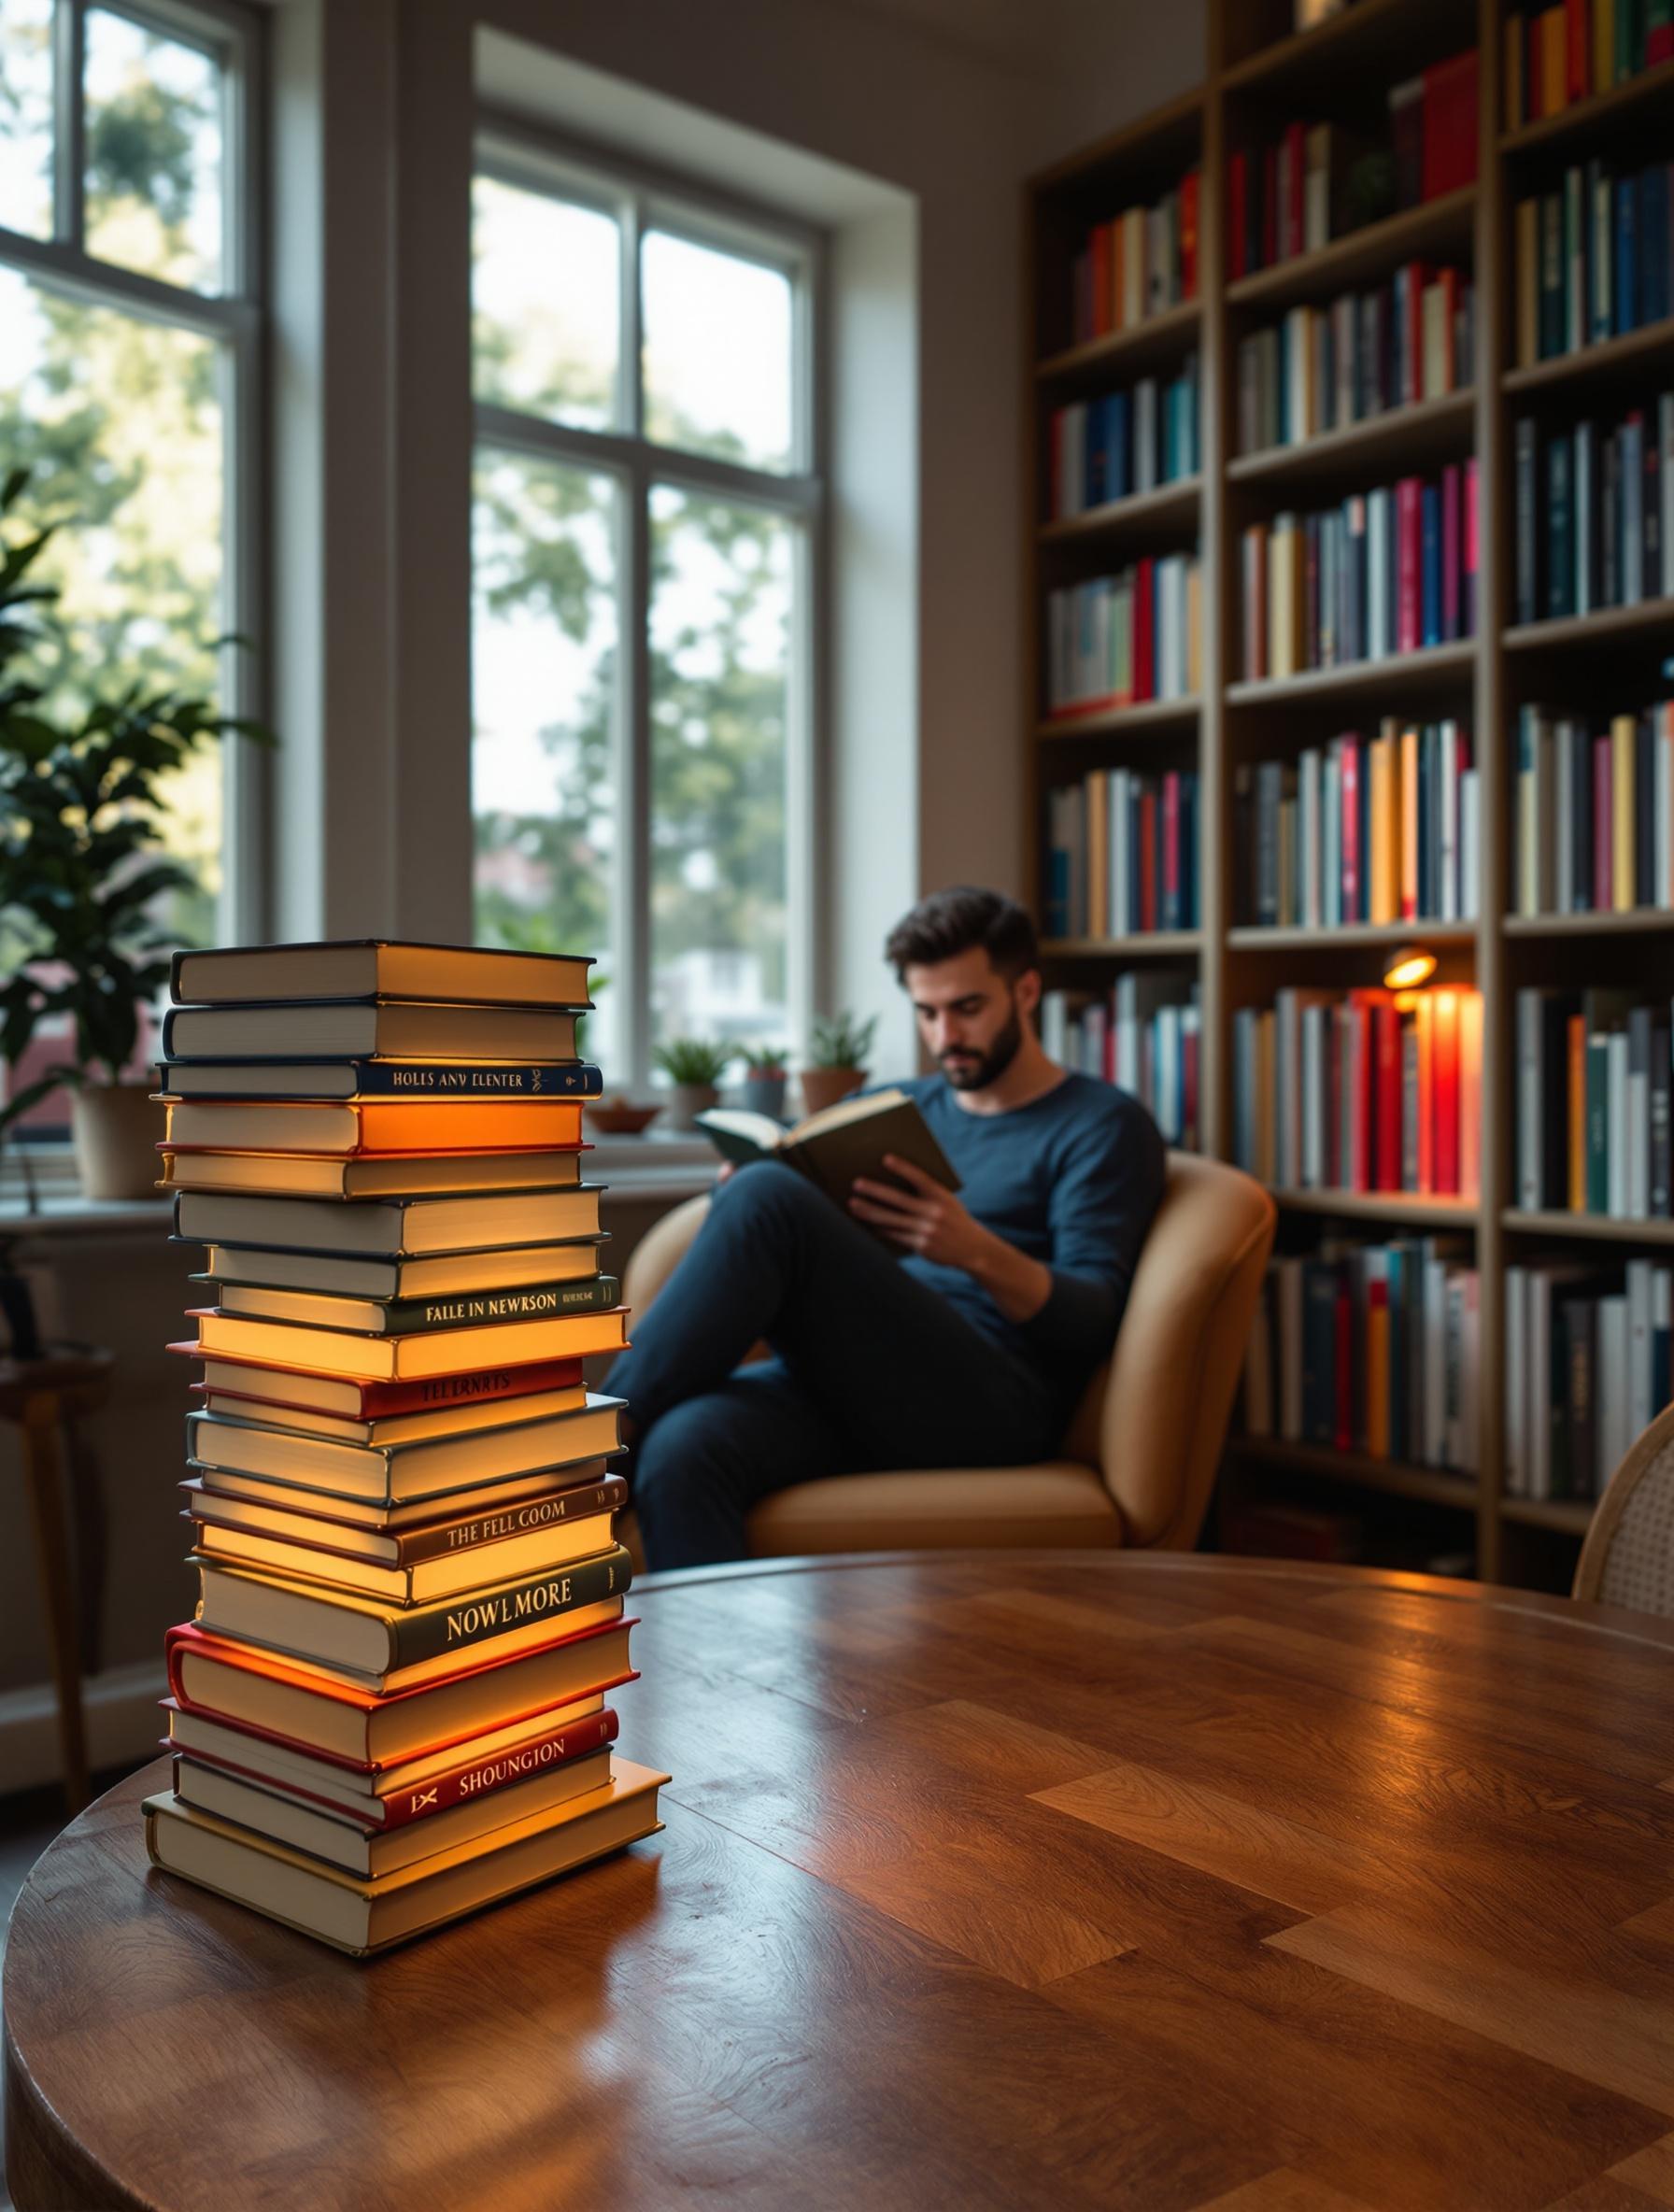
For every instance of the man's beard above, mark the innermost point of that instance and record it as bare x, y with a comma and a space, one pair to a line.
976, 1074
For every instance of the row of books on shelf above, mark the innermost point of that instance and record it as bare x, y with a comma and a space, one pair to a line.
1122, 859
1594, 811
1555, 56
391, 1705
1137, 264
1362, 830
1593, 1103
1370, 1348
1593, 260
1385, 571
1323, 368
1120, 640
1144, 1036
1594, 513
1587, 1370
1125, 442
1315, 182
1363, 1091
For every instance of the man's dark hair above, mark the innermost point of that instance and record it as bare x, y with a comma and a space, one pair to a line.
950, 922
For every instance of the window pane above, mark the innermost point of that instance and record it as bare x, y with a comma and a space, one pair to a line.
26, 116
120, 423
720, 630
154, 154
719, 371
545, 292
543, 783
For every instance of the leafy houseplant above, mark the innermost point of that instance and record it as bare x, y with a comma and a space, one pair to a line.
81, 801
838, 1047
694, 1067
764, 1074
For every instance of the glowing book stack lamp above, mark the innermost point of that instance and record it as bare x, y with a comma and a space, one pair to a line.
393, 1705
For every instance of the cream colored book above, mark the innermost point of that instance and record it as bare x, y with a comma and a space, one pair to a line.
378, 967
308, 1175
359, 1915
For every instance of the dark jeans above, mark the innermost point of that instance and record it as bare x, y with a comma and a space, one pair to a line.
872, 1369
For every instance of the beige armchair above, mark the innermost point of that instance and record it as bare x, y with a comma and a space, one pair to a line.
1139, 1462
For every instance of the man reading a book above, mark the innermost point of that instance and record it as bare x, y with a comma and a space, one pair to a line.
912, 1326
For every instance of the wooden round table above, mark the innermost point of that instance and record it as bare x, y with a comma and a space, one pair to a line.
999, 1880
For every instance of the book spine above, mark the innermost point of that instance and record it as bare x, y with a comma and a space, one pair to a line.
381, 1399
481, 1777
415, 1545
418, 1316
438, 1078
474, 1619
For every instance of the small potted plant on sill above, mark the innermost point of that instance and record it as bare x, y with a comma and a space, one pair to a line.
81, 798
694, 1067
764, 1077
837, 1054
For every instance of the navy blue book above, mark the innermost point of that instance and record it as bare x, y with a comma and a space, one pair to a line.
1560, 524
380, 1079
1430, 563
1627, 258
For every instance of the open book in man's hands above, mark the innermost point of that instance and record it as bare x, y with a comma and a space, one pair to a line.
835, 1145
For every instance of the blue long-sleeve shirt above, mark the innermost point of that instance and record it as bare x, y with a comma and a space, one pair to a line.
1073, 1179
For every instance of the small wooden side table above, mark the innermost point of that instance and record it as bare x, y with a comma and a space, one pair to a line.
38, 1395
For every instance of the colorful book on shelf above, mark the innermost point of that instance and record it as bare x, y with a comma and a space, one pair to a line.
1594, 1102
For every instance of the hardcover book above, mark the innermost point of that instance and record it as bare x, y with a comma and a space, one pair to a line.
399, 1174
331, 1274
375, 967
421, 1512
584, 1327
473, 1309
384, 1030
361, 1916
832, 1147
390, 1228
434, 1405
432, 1081
376, 1126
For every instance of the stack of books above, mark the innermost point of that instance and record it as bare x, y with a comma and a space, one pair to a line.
1558, 55
1136, 264
1593, 260
390, 1708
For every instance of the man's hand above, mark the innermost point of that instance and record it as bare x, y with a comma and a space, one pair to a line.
927, 1218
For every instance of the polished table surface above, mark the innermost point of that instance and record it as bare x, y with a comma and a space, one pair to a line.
1005, 1881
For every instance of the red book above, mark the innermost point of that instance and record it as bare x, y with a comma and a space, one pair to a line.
1240, 214
1098, 246
1148, 859
1189, 185
371, 1401
1535, 72
1295, 185
1445, 1073
1349, 758
1171, 847
1452, 548
1449, 124
1659, 44
1408, 513
1344, 1375
1270, 206
1144, 629
1387, 1105
1576, 44
1604, 818
474, 1778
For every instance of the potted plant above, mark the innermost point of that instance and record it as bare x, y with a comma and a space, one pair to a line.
837, 1054
694, 1067
81, 798
764, 1074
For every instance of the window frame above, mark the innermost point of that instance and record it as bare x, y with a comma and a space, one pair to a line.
642, 197
235, 317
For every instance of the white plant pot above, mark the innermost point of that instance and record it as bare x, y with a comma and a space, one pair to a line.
117, 1128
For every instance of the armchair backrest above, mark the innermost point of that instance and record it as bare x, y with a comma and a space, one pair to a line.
1152, 1417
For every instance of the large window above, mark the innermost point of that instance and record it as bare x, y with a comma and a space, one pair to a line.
645, 538
128, 351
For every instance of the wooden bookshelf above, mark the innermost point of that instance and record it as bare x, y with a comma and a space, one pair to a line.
1260, 75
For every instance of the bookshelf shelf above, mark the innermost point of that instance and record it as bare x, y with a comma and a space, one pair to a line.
1145, 512
1260, 80
1383, 1205
1253, 938
1608, 626
1548, 132
1628, 922
1152, 716
1154, 944
1569, 1516
1591, 1228
1399, 439
1400, 675
1434, 231
1434, 1485
1159, 337
1635, 351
